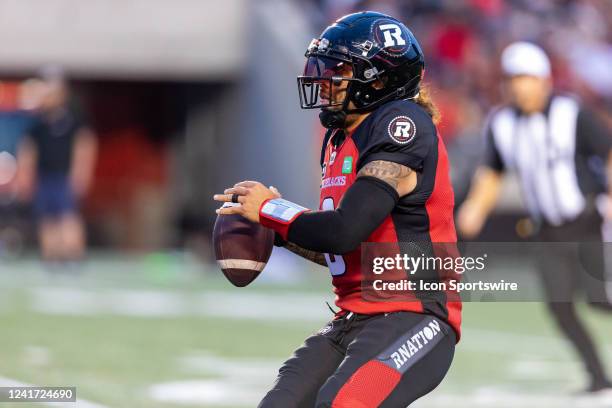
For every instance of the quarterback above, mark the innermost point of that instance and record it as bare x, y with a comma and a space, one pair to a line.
385, 180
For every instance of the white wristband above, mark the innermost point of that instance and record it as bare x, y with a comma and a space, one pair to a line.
282, 210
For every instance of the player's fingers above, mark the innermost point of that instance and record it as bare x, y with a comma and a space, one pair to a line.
222, 197
229, 198
228, 210
236, 190
275, 191
247, 184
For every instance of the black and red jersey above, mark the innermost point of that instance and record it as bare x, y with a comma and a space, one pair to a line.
404, 133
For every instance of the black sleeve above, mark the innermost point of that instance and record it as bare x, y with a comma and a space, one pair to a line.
491, 158
592, 137
79, 117
278, 240
402, 132
362, 209
34, 131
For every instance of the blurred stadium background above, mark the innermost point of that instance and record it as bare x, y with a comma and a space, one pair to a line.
189, 96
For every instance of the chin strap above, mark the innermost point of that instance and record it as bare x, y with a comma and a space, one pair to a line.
335, 119
332, 119
328, 134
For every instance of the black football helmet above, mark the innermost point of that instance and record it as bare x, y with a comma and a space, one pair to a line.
386, 60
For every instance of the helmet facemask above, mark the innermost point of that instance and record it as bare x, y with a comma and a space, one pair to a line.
325, 83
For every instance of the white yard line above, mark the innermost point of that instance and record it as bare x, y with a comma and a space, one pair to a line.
153, 304
267, 307
224, 392
498, 397
80, 402
286, 306
243, 382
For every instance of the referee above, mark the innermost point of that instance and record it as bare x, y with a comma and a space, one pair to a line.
553, 144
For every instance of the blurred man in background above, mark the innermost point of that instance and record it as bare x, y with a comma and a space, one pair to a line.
548, 140
56, 164
15, 119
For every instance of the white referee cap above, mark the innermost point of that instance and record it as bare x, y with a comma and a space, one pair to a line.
524, 58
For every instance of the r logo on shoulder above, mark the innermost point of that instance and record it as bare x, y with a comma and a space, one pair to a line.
402, 129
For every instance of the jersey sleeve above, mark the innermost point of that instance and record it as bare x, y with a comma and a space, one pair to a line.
592, 137
491, 158
402, 133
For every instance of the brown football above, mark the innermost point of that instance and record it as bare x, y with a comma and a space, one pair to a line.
242, 248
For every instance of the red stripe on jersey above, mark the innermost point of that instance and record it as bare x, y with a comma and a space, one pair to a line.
439, 207
368, 386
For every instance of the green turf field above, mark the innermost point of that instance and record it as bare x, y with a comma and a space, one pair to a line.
161, 331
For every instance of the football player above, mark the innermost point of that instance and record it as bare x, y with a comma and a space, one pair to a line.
385, 180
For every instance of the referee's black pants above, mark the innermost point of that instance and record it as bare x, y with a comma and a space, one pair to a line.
574, 263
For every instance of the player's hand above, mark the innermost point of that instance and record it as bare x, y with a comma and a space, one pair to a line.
469, 220
606, 208
23, 186
251, 195
79, 184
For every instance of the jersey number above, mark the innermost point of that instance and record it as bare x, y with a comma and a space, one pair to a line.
334, 262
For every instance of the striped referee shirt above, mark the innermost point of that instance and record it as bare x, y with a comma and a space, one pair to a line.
559, 156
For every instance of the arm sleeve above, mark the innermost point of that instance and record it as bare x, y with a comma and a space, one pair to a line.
402, 132
362, 209
491, 158
592, 137
33, 131
278, 240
